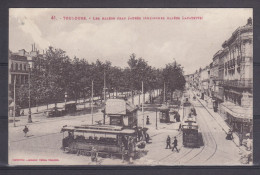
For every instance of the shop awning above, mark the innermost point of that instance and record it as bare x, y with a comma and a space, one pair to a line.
239, 113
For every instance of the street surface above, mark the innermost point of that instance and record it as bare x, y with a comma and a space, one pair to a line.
42, 146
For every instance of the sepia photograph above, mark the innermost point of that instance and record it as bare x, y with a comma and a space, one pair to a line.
130, 86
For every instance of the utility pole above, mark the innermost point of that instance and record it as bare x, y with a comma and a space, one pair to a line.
143, 102
156, 119
14, 101
29, 113
164, 92
92, 102
104, 86
132, 93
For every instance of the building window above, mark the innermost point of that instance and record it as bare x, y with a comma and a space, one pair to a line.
21, 67
16, 66
24, 66
12, 66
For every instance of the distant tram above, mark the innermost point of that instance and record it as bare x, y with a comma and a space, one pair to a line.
190, 132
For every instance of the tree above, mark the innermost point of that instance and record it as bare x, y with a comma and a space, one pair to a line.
173, 77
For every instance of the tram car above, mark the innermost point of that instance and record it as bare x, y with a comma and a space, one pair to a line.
107, 140
190, 132
188, 109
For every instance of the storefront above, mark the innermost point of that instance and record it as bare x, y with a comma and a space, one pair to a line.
238, 118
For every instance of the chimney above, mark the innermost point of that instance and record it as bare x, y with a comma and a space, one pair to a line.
32, 47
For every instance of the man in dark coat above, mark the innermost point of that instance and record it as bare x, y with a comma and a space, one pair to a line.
25, 130
177, 117
168, 142
147, 120
175, 144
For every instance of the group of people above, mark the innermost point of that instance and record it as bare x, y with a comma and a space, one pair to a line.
175, 143
143, 135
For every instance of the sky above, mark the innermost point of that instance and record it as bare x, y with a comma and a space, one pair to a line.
192, 43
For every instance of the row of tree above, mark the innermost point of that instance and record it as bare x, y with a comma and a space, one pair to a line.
55, 75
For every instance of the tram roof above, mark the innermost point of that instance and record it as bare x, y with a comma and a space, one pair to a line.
98, 130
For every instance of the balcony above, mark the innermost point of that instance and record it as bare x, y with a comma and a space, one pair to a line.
237, 83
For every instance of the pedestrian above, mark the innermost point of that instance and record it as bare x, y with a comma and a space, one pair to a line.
147, 120
25, 130
179, 127
22, 113
93, 154
147, 138
229, 135
177, 117
168, 142
175, 144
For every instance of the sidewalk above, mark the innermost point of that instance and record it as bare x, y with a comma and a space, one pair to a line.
80, 102
38, 117
220, 121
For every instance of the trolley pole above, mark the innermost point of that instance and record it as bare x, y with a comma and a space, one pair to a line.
143, 102
92, 102
14, 113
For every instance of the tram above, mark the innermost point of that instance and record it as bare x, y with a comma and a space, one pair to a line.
188, 109
107, 140
190, 132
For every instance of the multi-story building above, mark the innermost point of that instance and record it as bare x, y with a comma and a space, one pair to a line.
196, 78
204, 80
214, 75
18, 68
189, 80
237, 57
20, 64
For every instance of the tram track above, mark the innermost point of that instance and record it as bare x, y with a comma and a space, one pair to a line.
210, 133
203, 149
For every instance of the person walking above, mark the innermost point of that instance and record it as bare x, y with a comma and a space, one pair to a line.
175, 144
25, 130
93, 154
168, 142
179, 127
147, 120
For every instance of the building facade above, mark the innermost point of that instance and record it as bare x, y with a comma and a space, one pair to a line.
237, 81
20, 64
229, 80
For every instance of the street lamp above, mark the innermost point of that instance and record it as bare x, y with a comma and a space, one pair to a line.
29, 112
65, 95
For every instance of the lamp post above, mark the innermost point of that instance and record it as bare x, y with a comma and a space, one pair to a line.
29, 112
143, 102
65, 99
92, 85
14, 109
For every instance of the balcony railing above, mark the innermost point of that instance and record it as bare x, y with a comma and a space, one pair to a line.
18, 71
237, 83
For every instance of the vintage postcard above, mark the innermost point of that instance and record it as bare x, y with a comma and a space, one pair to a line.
132, 86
